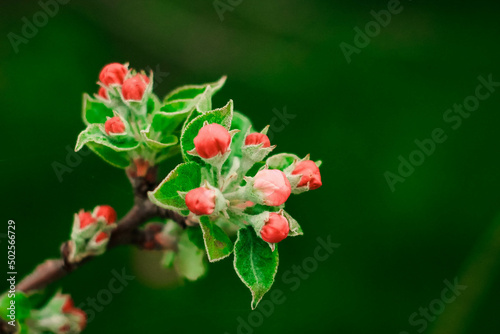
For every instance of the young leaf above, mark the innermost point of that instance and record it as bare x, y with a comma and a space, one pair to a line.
295, 228
94, 111
242, 123
222, 116
281, 161
183, 178
193, 91
95, 133
189, 261
255, 263
217, 243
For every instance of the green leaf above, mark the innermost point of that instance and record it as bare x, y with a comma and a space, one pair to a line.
217, 243
281, 161
22, 305
193, 91
168, 259
295, 228
95, 111
242, 123
111, 149
183, 178
157, 141
167, 122
189, 261
255, 263
196, 236
95, 133
222, 116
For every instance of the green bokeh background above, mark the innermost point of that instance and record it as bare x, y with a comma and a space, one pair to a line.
396, 247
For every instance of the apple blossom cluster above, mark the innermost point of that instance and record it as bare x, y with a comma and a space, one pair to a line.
91, 232
59, 315
228, 196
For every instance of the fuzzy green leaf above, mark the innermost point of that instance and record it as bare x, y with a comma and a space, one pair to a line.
242, 123
193, 91
222, 116
295, 228
22, 305
217, 243
113, 150
255, 263
183, 178
95, 111
281, 161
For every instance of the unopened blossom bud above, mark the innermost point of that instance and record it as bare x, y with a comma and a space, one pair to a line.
86, 219
272, 186
211, 140
310, 174
201, 201
275, 229
101, 237
133, 89
103, 93
113, 74
257, 138
107, 212
68, 304
114, 125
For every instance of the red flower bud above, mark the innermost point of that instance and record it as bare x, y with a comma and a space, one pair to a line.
68, 304
82, 316
310, 174
273, 186
133, 89
103, 93
201, 201
101, 237
114, 125
275, 229
107, 212
211, 140
86, 219
257, 138
113, 74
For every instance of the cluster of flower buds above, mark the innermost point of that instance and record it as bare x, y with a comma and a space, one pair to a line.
116, 79
91, 232
59, 316
229, 192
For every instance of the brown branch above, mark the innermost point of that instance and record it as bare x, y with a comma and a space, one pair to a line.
127, 232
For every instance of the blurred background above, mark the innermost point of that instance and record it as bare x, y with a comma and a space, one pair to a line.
357, 113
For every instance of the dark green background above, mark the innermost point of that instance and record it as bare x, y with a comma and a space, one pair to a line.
396, 247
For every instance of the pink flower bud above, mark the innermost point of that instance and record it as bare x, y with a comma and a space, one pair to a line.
114, 125
82, 317
257, 138
275, 229
310, 174
201, 201
107, 212
113, 74
68, 304
133, 89
101, 237
273, 186
211, 140
86, 219
103, 93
